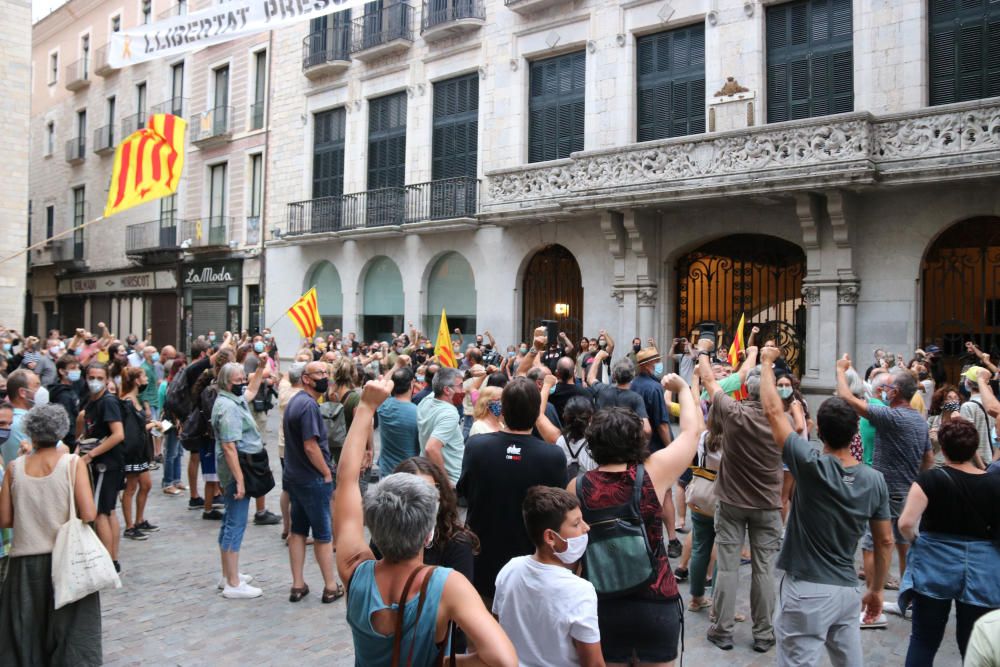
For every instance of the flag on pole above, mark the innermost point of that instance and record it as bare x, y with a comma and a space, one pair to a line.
305, 314
442, 348
734, 355
148, 164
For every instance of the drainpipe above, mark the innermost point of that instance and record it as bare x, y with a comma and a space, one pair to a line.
264, 179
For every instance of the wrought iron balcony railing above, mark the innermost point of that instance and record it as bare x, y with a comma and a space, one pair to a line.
134, 122
381, 32
78, 74
444, 15
76, 150
212, 125
153, 236
102, 67
326, 51
105, 139
208, 232
175, 105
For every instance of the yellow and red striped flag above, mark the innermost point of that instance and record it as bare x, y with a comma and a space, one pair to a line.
734, 355
442, 348
305, 314
148, 164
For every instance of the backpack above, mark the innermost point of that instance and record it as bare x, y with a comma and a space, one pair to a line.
336, 423
619, 560
197, 431
700, 492
573, 468
178, 401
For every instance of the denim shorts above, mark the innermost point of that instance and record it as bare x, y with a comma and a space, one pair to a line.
206, 455
310, 508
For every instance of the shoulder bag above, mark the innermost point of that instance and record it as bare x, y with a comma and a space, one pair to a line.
80, 563
257, 477
397, 637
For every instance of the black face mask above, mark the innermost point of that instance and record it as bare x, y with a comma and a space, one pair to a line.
321, 385
238, 389
636, 348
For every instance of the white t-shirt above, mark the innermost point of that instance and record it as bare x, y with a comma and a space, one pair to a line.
543, 608
583, 458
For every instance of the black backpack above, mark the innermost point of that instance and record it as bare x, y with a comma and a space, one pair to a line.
619, 560
197, 431
178, 401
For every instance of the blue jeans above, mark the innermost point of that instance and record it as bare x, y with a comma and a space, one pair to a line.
173, 453
310, 508
234, 523
467, 425
930, 616
703, 530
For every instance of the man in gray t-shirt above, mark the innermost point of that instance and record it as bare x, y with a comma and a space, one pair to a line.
902, 446
836, 499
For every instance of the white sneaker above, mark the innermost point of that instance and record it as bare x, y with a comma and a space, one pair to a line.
893, 608
880, 622
244, 579
242, 592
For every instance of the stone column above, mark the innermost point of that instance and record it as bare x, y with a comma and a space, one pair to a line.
810, 295
646, 299
847, 307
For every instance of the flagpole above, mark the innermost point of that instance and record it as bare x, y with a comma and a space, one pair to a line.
41, 244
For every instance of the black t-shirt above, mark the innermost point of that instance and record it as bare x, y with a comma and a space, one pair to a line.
66, 396
194, 371
969, 507
560, 397
551, 358
497, 471
610, 396
98, 418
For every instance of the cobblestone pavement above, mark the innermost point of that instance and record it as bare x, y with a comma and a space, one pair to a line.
168, 611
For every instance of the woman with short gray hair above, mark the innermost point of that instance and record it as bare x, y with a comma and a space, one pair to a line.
35, 500
235, 432
401, 513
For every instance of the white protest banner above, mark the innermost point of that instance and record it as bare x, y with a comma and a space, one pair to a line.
218, 23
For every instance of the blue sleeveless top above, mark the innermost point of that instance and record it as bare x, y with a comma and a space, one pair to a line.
373, 649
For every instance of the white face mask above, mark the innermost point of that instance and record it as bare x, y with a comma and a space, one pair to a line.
575, 548
41, 397
95, 386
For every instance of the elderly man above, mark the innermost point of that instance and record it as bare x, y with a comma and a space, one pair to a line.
23, 388
308, 479
902, 447
289, 385
749, 492
438, 423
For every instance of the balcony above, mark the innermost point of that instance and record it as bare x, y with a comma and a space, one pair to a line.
151, 240
105, 140
844, 150
102, 67
78, 75
180, 9
67, 254
76, 150
210, 233
382, 33
441, 19
326, 52
531, 6
175, 106
213, 126
136, 121
257, 116
385, 211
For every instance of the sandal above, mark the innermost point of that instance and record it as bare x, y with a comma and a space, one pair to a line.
297, 594
698, 606
331, 596
739, 618
892, 584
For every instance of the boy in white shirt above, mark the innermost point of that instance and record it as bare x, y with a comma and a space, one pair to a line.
549, 613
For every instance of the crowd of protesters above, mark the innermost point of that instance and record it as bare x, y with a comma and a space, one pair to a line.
526, 506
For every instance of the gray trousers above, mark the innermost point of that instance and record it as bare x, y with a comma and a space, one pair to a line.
812, 616
732, 524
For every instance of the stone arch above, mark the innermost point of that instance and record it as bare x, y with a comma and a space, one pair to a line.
450, 283
323, 275
381, 304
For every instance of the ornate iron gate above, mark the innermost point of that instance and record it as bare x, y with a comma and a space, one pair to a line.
552, 276
758, 275
961, 290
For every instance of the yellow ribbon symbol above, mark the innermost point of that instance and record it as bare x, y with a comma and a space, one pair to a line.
127, 49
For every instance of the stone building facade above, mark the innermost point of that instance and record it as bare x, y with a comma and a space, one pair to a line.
15, 83
141, 268
875, 226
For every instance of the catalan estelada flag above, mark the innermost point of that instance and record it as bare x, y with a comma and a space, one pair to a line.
734, 355
442, 348
148, 164
305, 314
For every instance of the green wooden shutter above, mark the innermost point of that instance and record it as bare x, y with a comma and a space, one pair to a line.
556, 106
964, 51
328, 153
387, 141
810, 62
455, 137
671, 83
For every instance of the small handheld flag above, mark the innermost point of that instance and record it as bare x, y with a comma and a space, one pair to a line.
305, 314
442, 348
148, 164
734, 355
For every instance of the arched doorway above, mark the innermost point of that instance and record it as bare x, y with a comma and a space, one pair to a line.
960, 276
383, 301
451, 285
329, 294
552, 277
752, 274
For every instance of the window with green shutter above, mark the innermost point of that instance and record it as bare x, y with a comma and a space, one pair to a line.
328, 153
810, 59
671, 83
964, 51
556, 106
387, 141
455, 141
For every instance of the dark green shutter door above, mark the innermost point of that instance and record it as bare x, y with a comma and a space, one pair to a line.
328, 153
387, 141
556, 107
671, 83
455, 136
964, 50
